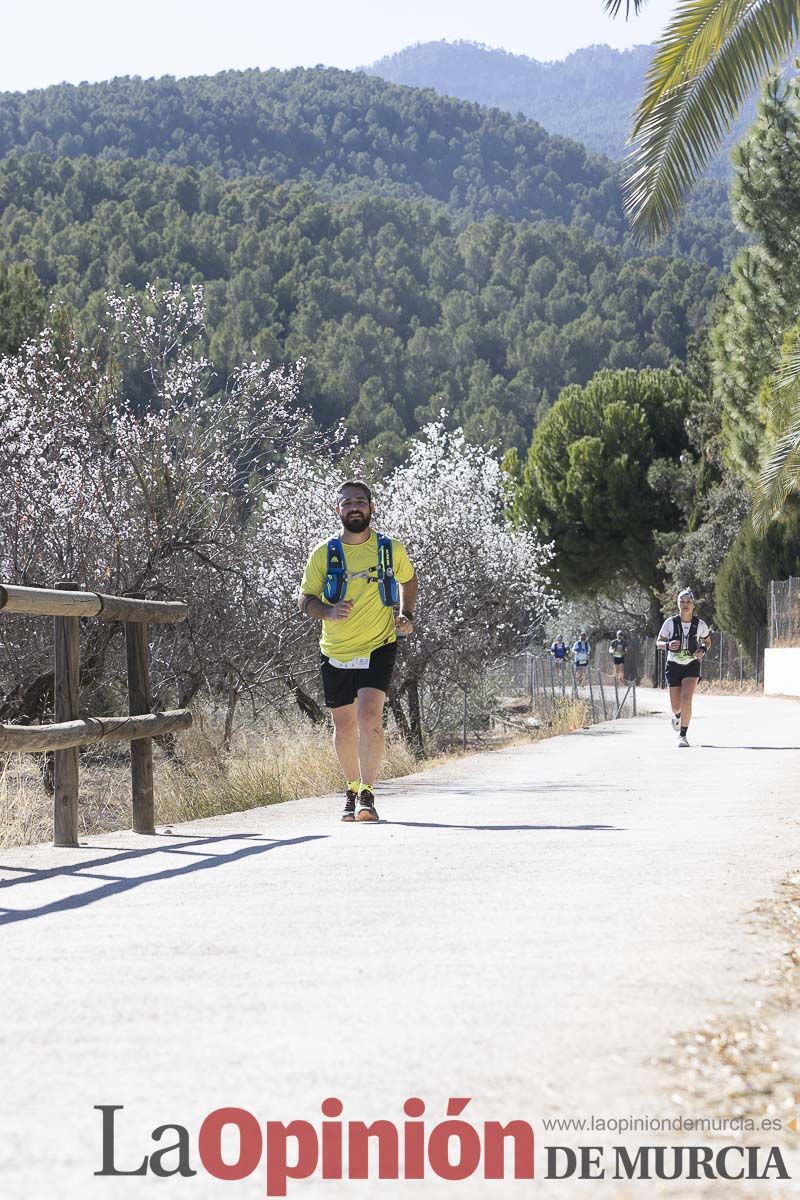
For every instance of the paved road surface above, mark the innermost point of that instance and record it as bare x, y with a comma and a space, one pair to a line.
526, 928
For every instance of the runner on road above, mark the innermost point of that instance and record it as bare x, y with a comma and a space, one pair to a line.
351, 583
582, 650
686, 638
559, 651
617, 651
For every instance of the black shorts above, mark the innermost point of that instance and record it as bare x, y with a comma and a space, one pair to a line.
341, 685
618, 662
676, 672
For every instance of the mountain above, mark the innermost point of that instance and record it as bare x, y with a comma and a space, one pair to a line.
345, 132
589, 96
400, 306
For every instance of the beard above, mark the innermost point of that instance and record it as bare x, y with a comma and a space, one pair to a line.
355, 522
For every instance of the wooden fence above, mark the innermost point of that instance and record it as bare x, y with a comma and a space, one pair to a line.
67, 604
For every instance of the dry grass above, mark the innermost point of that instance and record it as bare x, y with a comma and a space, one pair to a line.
730, 687
567, 717
267, 765
283, 763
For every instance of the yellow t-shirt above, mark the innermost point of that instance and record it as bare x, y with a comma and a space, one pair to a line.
371, 623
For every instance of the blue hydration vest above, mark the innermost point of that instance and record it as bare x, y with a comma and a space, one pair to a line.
336, 574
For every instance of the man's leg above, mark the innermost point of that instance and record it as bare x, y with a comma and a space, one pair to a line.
369, 705
345, 739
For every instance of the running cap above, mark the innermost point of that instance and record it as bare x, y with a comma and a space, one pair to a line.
583, 633
619, 633
686, 594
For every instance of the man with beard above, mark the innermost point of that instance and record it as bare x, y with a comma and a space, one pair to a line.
359, 641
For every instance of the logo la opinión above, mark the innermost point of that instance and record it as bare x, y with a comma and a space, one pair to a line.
452, 1149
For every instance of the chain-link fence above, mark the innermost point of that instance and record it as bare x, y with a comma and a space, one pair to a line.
547, 685
554, 681
784, 612
523, 693
727, 660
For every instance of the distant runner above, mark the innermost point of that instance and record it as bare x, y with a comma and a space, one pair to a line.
559, 651
686, 638
617, 651
351, 584
582, 650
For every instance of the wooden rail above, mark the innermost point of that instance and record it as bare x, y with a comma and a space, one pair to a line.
36, 739
68, 604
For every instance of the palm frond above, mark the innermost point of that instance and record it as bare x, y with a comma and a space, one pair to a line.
613, 7
696, 31
779, 478
680, 125
788, 373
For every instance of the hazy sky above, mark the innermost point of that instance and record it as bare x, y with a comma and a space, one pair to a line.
48, 41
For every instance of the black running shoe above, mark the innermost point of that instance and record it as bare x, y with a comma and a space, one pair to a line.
349, 810
366, 806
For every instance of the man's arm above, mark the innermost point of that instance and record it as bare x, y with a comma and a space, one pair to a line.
408, 594
313, 607
408, 598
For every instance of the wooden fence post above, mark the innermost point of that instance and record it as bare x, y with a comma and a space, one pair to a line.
591, 695
66, 696
139, 702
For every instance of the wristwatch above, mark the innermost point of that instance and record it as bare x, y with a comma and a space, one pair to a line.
408, 614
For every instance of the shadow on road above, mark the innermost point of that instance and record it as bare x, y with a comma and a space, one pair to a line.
403, 788
204, 858
502, 828
713, 746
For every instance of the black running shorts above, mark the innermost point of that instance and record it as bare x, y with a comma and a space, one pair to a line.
676, 672
341, 685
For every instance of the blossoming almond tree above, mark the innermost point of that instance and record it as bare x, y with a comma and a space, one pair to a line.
160, 496
484, 587
483, 584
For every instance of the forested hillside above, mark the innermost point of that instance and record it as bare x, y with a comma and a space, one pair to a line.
589, 96
400, 308
346, 132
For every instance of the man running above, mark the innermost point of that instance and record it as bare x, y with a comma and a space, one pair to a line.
559, 651
582, 650
686, 638
617, 652
359, 638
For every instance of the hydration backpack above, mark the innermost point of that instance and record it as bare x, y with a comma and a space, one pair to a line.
677, 633
337, 576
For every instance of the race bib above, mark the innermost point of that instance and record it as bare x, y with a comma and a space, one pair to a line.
355, 664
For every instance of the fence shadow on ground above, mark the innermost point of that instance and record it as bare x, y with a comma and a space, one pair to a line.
113, 885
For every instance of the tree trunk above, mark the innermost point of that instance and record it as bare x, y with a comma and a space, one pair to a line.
654, 618
654, 622
400, 718
230, 713
417, 741
47, 770
307, 704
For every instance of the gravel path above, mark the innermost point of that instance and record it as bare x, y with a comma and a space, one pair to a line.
528, 928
